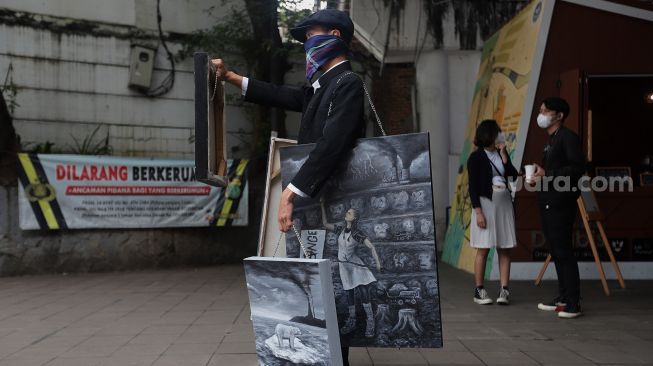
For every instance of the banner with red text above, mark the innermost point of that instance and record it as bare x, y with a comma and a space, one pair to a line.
86, 192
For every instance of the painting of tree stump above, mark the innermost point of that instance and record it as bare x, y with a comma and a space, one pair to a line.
383, 321
407, 321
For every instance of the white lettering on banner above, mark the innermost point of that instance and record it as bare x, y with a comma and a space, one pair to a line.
135, 190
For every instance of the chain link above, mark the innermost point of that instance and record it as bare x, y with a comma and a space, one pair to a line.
215, 86
278, 243
299, 238
369, 99
378, 120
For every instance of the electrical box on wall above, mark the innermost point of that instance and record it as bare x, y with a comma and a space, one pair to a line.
140, 67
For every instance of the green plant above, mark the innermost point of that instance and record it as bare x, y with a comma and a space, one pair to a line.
46, 147
89, 146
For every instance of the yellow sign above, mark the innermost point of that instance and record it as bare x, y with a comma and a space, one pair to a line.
500, 94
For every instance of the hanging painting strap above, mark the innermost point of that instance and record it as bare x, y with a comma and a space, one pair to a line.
369, 99
299, 238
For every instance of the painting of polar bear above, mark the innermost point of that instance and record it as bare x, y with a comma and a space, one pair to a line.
286, 332
293, 311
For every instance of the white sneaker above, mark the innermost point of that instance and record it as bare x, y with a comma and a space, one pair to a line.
570, 312
503, 298
556, 304
481, 297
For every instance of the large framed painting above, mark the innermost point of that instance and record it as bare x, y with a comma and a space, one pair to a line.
210, 134
374, 221
293, 311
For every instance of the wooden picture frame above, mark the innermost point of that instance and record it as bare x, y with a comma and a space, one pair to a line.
269, 234
612, 171
646, 179
210, 121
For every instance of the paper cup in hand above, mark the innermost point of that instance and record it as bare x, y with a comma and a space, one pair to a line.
530, 172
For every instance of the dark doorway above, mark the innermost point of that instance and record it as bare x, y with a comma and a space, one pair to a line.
621, 122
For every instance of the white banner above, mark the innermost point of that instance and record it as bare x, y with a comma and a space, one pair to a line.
85, 192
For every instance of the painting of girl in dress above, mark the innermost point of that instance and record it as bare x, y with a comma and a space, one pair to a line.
354, 273
386, 286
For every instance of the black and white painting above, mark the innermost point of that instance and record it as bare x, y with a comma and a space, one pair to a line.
377, 211
293, 311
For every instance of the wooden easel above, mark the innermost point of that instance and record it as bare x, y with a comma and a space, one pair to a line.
590, 213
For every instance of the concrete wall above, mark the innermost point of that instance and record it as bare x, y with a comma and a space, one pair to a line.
71, 82
113, 12
408, 34
445, 88
35, 252
179, 16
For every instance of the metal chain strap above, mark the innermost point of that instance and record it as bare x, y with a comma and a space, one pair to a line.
369, 99
215, 86
278, 243
299, 238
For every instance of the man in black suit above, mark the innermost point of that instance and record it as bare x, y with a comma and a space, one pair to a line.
332, 107
563, 166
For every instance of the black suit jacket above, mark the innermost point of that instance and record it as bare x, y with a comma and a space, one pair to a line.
563, 157
334, 135
480, 174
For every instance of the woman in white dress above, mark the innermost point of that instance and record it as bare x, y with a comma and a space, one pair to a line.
493, 218
354, 273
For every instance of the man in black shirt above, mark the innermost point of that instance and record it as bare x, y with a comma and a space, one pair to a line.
563, 165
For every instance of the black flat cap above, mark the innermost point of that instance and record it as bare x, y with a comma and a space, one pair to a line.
330, 18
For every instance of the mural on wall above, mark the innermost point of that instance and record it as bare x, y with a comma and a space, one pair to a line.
378, 215
501, 91
293, 311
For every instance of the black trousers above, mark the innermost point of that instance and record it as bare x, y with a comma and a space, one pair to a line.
558, 224
345, 356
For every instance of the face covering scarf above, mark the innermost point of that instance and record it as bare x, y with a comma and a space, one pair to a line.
320, 49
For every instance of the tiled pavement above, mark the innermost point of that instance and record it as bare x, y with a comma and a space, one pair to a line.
201, 317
